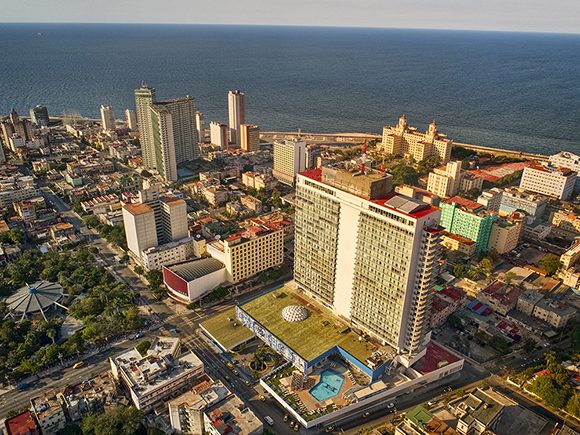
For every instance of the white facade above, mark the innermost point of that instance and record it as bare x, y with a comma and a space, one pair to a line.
171, 253
549, 180
107, 118
131, 119
218, 134
369, 261
237, 114
200, 126
140, 228
565, 159
289, 160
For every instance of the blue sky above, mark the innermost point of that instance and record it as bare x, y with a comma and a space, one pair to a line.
511, 15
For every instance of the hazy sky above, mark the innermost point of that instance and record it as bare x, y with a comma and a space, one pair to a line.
511, 15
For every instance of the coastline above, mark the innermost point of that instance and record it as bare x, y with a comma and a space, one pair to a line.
353, 138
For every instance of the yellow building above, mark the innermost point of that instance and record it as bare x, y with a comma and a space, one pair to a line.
407, 141
455, 242
445, 181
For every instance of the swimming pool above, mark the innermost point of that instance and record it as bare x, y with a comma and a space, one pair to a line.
329, 385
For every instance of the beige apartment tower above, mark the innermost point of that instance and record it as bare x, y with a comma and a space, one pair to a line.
163, 137
289, 159
407, 141
249, 138
131, 119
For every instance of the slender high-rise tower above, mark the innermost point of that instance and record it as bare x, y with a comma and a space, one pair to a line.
107, 118
144, 97
131, 119
163, 141
237, 114
184, 127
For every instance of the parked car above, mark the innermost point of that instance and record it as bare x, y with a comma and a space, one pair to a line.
269, 420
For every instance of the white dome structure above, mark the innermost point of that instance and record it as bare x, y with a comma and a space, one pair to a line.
294, 313
35, 298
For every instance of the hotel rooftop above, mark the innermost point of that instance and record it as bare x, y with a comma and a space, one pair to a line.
373, 186
318, 333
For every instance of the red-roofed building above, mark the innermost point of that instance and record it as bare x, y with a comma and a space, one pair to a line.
445, 302
500, 297
21, 424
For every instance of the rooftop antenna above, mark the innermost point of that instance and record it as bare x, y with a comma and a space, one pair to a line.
364, 157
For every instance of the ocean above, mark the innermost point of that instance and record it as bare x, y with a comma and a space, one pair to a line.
510, 90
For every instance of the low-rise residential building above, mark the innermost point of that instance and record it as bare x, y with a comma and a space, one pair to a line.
556, 313
500, 297
26, 209
15, 193
216, 195
101, 204
93, 395
186, 411
491, 199
566, 221
259, 181
48, 413
231, 416
489, 412
252, 203
549, 180
62, 229
470, 182
163, 371
528, 300
419, 421
456, 242
156, 257
445, 302
21, 424
571, 256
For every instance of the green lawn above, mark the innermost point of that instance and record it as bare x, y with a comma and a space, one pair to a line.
311, 337
224, 331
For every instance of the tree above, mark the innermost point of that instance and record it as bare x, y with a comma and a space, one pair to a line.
115, 421
509, 277
404, 174
550, 264
145, 173
459, 270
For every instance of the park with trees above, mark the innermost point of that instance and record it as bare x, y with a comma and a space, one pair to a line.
105, 307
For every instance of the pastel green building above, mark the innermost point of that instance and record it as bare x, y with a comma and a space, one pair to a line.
468, 219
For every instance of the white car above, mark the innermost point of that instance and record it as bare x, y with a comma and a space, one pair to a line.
432, 402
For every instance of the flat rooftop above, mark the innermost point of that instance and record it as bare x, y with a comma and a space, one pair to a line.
319, 332
229, 333
159, 366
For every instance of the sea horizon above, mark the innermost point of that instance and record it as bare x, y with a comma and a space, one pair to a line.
511, 90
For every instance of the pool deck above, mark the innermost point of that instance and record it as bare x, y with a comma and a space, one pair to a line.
310, 401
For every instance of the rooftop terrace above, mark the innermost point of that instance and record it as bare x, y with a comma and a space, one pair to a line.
319, 332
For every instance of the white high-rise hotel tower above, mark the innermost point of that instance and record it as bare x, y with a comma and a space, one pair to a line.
369, 259
237, 114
